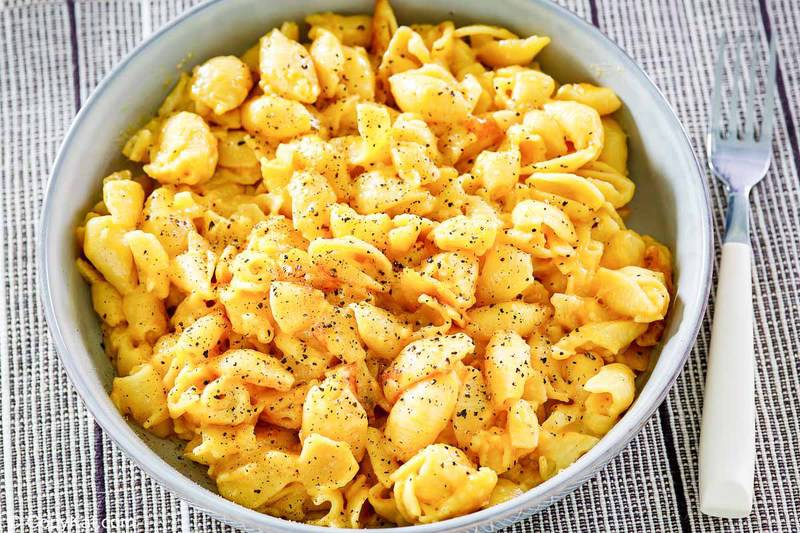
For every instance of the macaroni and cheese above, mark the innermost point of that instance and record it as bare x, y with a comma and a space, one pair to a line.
380, 275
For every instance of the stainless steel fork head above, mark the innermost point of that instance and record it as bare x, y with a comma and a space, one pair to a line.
739, 154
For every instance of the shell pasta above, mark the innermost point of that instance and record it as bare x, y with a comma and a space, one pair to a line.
375, 274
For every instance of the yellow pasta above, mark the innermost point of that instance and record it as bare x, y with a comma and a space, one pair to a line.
507, 368
603, 99
432, 92
521, 88
376, 274
355, 30
331, 409
474, 410
506, 52
104, 246
286, 67
221, 83
151, 260
497, 171
421, 413
507, 272
274, 118
107, 303
124, 199
422, 358
186, 151
440, 482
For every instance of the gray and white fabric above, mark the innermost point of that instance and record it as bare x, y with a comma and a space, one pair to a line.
58, 472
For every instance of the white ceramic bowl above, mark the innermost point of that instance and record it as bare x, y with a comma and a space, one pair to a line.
671, 203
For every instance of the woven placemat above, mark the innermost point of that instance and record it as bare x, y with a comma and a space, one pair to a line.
58, 472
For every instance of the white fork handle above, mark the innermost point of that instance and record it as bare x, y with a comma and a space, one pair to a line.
727, 434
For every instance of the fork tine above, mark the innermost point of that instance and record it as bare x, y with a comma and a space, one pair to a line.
750, 101
733, 112
768, 112
715, 127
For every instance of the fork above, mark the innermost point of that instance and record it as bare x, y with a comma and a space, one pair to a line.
739, 157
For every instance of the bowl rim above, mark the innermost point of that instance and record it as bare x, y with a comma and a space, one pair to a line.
516, 509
